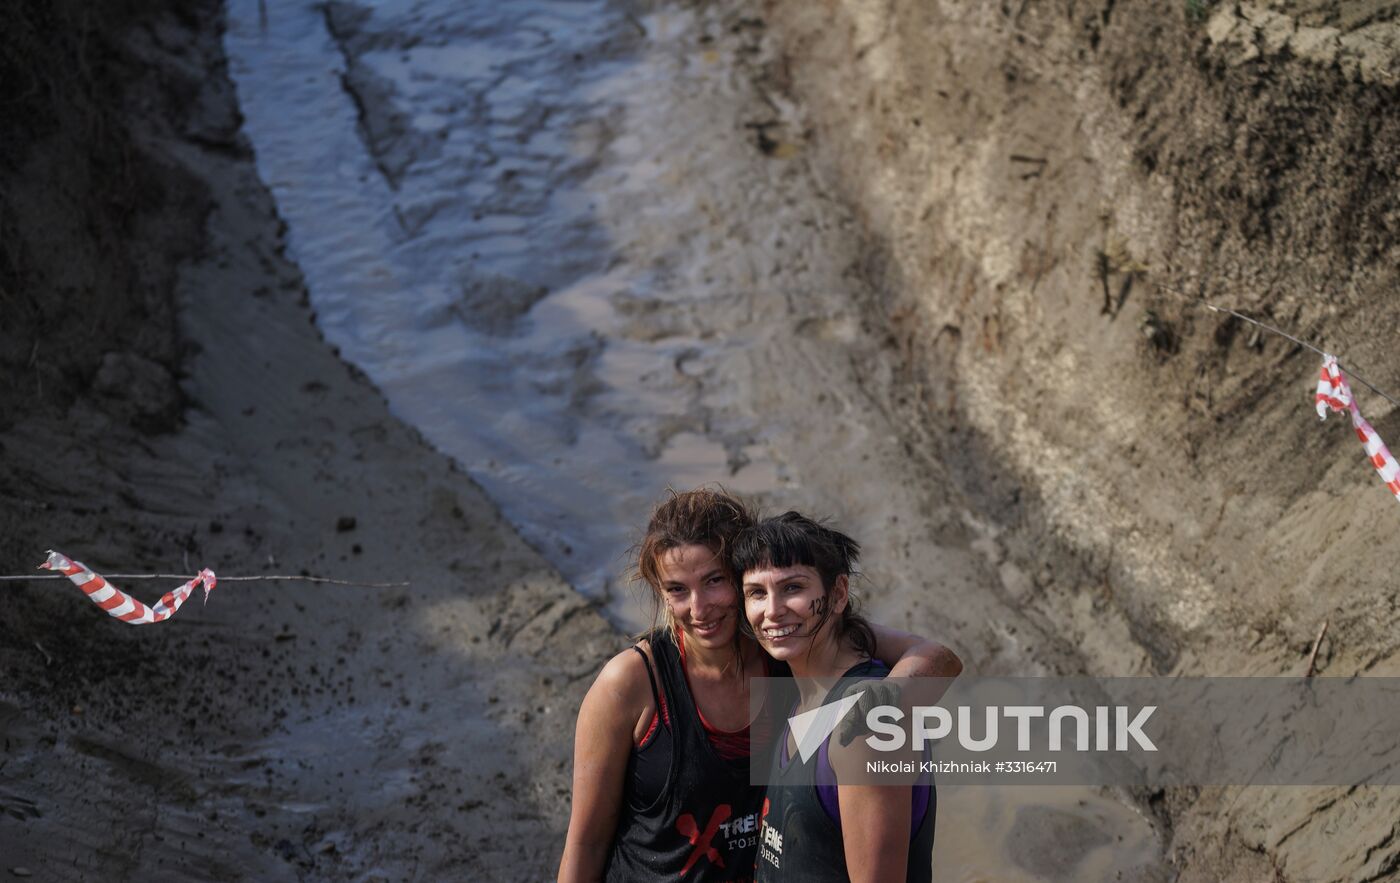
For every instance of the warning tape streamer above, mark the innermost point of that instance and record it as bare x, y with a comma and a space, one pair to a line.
1333, 392
118, 603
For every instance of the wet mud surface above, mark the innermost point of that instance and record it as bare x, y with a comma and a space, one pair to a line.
285, 731
442, 190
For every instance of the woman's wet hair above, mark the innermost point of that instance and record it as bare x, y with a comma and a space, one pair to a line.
709, 517
792, 540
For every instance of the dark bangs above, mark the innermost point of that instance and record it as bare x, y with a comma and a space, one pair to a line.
791, 540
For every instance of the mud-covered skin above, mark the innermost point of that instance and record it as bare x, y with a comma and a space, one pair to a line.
1162, 495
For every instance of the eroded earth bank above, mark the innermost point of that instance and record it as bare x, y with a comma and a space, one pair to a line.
1029, 177
903, 264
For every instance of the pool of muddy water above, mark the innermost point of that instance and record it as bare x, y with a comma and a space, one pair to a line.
432, 163
442, 168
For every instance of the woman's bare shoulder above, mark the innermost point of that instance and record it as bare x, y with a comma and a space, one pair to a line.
624, 677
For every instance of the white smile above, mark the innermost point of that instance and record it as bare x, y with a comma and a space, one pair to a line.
780, 632
705, 626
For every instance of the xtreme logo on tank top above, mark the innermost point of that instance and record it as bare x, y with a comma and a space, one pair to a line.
798, 839
703, 826
735, 834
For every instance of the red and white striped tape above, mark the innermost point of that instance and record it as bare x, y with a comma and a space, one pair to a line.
118, 603
1334, 392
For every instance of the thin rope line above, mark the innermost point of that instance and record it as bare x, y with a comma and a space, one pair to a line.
221, 579
1351, 372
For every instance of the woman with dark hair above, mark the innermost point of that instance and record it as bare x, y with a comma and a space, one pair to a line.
661, 748
822, 820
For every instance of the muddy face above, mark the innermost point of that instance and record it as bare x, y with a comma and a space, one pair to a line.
699, 595
790, 611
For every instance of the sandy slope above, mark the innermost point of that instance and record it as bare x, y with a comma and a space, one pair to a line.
1157, 475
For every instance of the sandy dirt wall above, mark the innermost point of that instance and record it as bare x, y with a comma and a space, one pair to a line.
88, 213
1027, 175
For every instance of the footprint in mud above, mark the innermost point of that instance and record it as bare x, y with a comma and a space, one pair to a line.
137, 770
18, 807
17, 734
838, 329
494, 304
1051, 843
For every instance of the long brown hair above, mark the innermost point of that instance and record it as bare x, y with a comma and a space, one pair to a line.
709, 517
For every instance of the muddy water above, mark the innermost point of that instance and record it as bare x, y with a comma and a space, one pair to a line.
430, 161
544, 231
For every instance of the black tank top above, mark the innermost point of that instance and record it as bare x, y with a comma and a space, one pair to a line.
798, 839
703, 826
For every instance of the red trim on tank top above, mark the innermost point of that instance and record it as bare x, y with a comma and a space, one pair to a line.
728, 744
659, 716
655, 719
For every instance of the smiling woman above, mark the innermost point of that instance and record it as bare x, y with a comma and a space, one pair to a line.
699, 596
661, 748
822, 821
801, 570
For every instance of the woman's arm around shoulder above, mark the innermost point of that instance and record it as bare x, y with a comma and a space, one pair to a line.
908, 656
911, 656
617, 705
